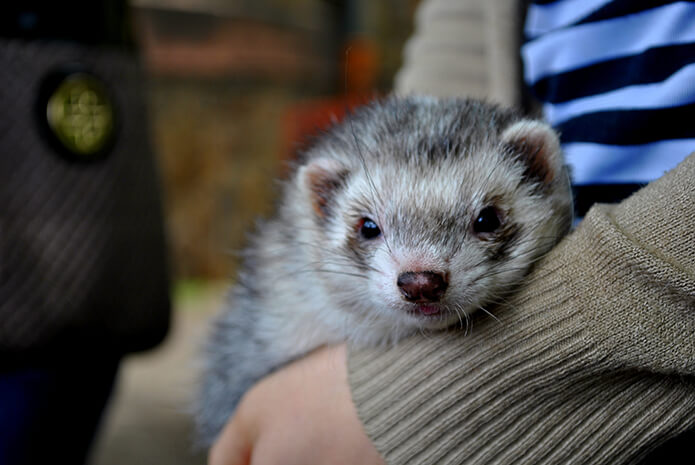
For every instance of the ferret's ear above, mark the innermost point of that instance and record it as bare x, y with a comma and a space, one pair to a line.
321, 178
537, 145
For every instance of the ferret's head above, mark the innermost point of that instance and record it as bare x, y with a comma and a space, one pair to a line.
421, 211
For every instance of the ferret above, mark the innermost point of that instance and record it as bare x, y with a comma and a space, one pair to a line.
409, 216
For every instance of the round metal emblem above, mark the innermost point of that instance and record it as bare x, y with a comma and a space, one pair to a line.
80, 114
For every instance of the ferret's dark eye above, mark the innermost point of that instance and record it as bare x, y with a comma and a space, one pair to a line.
369, 229
488, 221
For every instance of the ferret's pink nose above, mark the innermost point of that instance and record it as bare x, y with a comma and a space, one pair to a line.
422, 286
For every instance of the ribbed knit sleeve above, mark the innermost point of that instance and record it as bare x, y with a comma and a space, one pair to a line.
470, 44
592, 361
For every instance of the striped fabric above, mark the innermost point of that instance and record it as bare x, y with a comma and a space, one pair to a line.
617, 79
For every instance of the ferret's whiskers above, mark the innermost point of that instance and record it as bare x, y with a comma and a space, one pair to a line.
490, 314
461, 313
423, 332
372, 185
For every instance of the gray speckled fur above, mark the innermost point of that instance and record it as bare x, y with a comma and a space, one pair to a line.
422, 168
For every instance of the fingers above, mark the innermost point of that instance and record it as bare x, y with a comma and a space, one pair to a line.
301, 414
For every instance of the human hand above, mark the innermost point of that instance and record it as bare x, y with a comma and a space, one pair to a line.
301, 414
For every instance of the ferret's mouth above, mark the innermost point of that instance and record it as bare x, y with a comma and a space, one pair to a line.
430, 315
426, 310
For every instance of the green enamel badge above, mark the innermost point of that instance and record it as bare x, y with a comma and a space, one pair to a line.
81, 115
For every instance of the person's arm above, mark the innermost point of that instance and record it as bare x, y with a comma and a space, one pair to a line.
593, 361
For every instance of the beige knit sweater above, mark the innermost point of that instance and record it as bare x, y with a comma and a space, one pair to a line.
593, 361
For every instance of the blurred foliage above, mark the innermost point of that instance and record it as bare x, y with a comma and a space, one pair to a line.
187, 292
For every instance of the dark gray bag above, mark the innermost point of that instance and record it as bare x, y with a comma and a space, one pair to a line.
82, 252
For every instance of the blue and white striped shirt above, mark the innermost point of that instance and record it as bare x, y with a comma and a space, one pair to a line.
617, 79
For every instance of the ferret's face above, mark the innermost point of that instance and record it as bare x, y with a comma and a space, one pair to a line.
422, 242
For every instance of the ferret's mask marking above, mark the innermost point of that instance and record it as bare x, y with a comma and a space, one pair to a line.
531, 146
